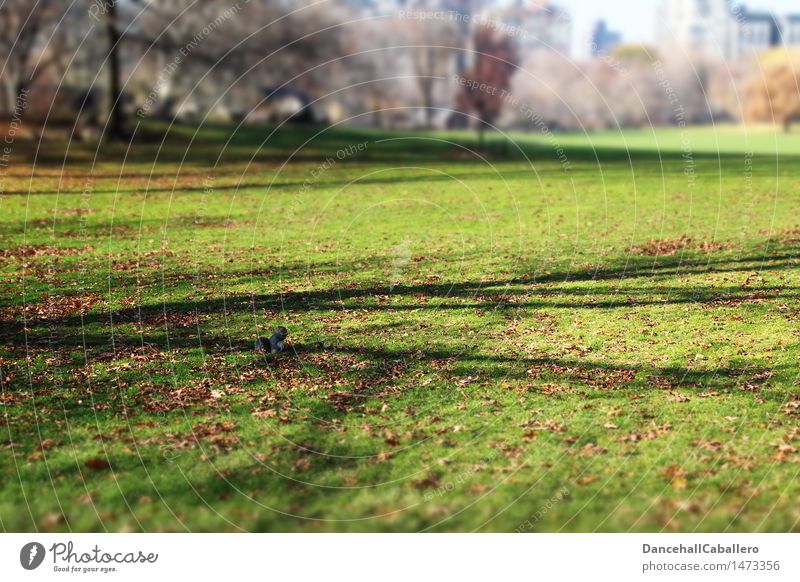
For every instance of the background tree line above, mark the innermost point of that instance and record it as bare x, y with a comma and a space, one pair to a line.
107, 58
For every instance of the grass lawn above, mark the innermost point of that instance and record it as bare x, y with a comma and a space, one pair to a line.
593, 339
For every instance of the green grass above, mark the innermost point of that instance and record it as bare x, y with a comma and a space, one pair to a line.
606, 342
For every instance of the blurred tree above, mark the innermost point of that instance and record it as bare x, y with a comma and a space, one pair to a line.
25, 27
242, 47
548, 89
382, 74
633, 53
434, 44
487, 82
115, 123
773, 92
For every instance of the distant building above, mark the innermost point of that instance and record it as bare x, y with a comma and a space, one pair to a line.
375, 7
758, 31
698, 27
386, 7
534, 25
718, 29
791, 30
604, 40
790, 33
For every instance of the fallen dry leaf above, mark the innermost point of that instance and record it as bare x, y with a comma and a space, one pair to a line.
677, 476
97, 464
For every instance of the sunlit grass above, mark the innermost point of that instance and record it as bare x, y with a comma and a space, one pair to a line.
472, 335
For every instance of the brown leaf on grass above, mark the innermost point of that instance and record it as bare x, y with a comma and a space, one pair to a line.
579, 349
670, 247
674, 470
792, 435
680, 482
707, 445
677, 476
686, 506
529, 436
58, 306
661, 382
97, 464
550, 389
600, 378
217, 435
429, 482
512, 452
586, 479
591, 449
169, 319
545, 425
383, 456
51, 520
47, 444
785, 452
302, 464
662, 248
27, 251
266, 413
792, 408
713, 246
87, 498
650, 434
203, 429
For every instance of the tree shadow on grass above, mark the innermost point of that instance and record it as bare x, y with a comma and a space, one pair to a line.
369, 372
188, 327
217, 144
315, 452
310, 466
532, 290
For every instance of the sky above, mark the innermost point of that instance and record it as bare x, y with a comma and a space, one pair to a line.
636, 18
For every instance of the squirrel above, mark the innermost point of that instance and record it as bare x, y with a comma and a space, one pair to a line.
276, 343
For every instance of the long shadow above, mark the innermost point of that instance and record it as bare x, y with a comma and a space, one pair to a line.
515, 292
310, 440
207, 148
422, 176
386, 363
93, 330
387, 372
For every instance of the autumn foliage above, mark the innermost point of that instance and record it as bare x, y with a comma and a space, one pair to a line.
488, 80
773, 93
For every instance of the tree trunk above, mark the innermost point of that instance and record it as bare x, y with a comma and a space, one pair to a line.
19, 105
10, 95
427, 101
115, 129
787, 125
